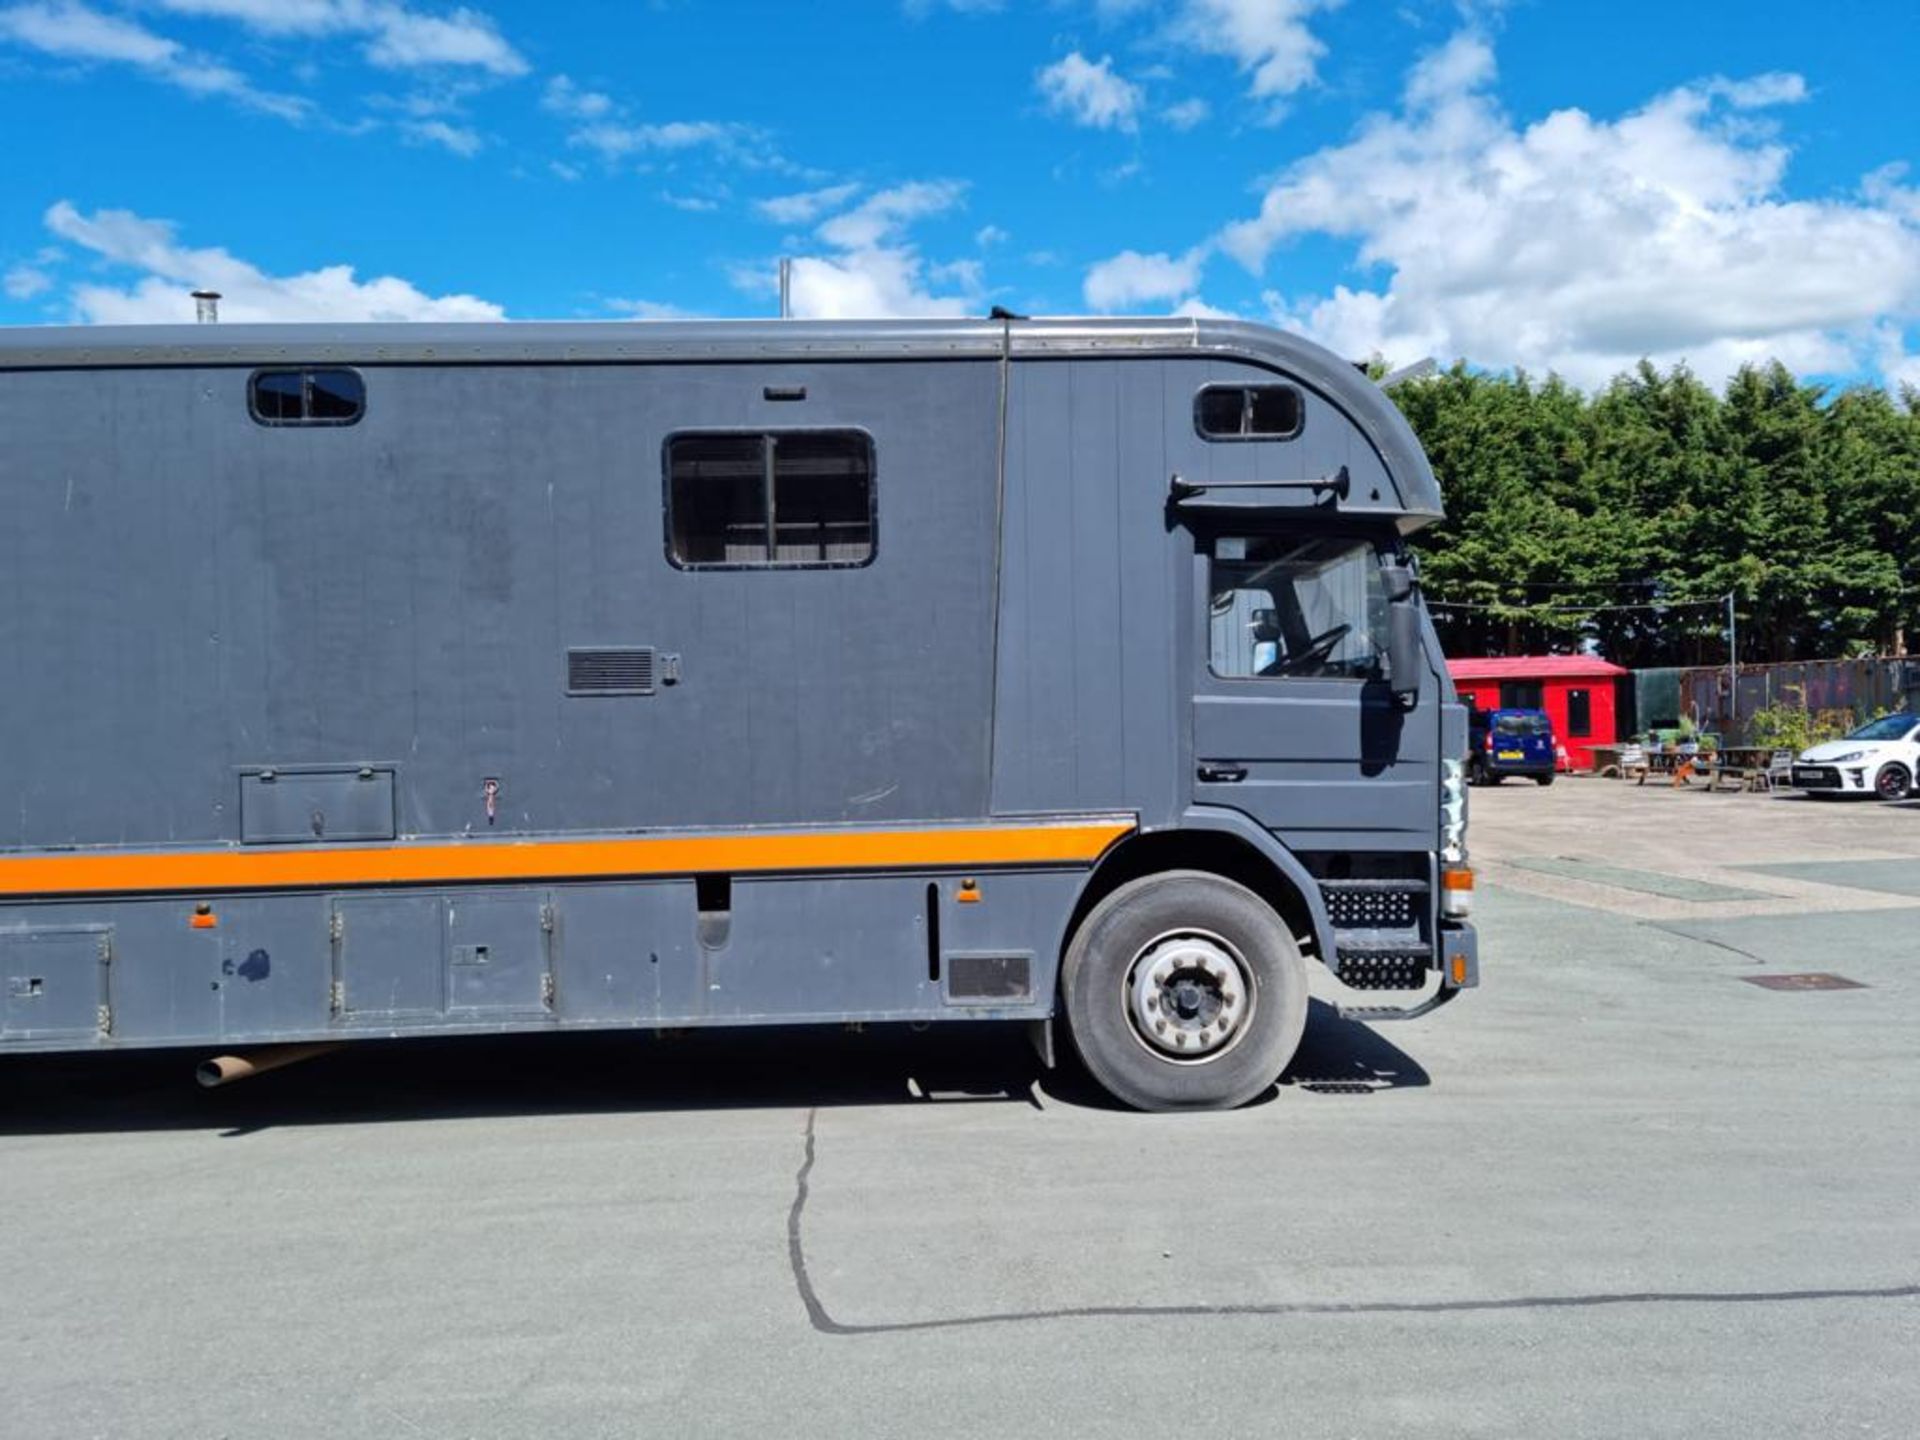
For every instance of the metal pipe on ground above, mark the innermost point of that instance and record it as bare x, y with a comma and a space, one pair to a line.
225, 1069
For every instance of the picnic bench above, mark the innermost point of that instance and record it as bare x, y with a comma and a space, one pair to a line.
1732, 767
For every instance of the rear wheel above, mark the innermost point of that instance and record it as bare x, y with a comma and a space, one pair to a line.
1894, 782
1543, 779
1184, 991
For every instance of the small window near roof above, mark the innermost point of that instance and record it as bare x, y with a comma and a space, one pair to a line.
1247, 412
307, 397
800, 499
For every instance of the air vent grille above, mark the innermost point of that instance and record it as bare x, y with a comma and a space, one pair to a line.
619, 670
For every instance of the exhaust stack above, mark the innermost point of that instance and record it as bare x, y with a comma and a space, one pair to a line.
225, 1069
206, 307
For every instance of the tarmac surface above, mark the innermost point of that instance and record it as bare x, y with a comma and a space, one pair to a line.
1618, 1191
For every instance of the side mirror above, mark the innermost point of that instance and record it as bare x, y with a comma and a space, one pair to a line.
1403, 634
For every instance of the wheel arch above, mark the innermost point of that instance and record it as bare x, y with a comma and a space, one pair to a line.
1224, 843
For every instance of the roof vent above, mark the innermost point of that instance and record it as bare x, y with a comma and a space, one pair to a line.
206, 306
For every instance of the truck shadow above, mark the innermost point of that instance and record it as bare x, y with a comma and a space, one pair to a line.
1344, 1057
382, 1081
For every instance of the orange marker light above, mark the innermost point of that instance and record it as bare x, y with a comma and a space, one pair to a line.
969, 893
1460, 878
1459, 970
204, 918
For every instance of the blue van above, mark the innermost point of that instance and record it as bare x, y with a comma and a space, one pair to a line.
1509, 742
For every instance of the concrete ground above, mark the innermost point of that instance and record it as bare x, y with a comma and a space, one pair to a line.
1616, 1192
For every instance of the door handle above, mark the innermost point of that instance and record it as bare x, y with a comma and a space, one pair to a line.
1214, 773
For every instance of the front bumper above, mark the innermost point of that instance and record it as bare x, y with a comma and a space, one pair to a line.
1832, 779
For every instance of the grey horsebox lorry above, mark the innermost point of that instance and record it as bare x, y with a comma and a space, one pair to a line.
385, 680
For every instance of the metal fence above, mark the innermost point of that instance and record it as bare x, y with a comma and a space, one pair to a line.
1864, 687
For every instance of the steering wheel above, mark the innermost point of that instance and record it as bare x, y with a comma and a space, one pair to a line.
1316, 650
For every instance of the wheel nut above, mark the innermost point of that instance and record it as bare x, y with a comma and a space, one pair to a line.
1160, 1026
1180, 1038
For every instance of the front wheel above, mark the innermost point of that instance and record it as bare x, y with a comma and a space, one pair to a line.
1184, 991
1893, 782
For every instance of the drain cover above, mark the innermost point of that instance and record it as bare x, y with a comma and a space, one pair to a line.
1812, 980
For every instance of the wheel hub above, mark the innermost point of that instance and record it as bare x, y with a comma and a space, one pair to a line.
1187, 996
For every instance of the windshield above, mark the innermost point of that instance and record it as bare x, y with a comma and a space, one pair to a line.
1521, 725
1287, 605
1887, 727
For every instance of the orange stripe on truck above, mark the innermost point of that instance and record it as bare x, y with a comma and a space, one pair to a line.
1079, 840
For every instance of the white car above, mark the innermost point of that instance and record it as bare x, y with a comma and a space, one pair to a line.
1881, 758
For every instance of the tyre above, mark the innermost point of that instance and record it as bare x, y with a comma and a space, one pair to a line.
1543, 779
1184, 991
1893, 782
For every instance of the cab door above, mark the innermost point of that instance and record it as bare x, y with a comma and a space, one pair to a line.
1294, 722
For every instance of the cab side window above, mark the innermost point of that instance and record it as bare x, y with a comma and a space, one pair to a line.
1290, 606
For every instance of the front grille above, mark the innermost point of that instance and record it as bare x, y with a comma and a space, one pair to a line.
1816, 777
1375, 904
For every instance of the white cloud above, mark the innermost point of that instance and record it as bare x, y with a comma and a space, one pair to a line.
1759, 91
649, 310
460, 139
694, 204
805, 207
886, 213
1199, 309
1582, 244
404, 38
1131, 279
563, 97
1268, 39
868, 285
167, 271
75, 32
1886, 187
23, 282
69, 30
614, 140
1465, 63
990, 235
1185, 114
397, 37
874, 270
1089, 93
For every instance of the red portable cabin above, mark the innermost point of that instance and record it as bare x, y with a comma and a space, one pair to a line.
1576, 691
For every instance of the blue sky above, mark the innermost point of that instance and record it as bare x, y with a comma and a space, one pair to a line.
1555, 185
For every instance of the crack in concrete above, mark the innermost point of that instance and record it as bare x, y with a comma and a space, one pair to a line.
823, 1321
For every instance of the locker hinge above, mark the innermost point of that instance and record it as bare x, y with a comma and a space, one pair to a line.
336, 927
337, 997
546, 918
103, 1018
546, 990
106, 948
